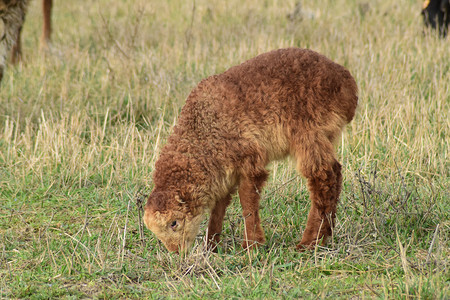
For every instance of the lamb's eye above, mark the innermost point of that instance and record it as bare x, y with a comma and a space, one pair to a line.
173, 224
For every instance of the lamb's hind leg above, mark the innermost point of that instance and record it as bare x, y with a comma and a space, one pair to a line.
216, 222
323, 172
249, 196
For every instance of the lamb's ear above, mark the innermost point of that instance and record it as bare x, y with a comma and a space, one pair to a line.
157, 201
187, 201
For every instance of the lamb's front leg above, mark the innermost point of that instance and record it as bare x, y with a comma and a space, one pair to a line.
249, 190
216, 222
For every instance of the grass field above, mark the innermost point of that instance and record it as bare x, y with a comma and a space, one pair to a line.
82, 125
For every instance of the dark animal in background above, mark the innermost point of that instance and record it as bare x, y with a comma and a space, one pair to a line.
12, 17
288, 102
436, 13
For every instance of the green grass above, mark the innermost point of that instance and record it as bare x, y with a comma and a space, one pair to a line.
82, 125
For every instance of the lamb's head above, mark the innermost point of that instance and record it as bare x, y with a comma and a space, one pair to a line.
171, 220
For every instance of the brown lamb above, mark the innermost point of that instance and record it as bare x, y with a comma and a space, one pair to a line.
285, 102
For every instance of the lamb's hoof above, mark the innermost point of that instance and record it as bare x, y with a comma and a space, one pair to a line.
302, 247
213, 247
